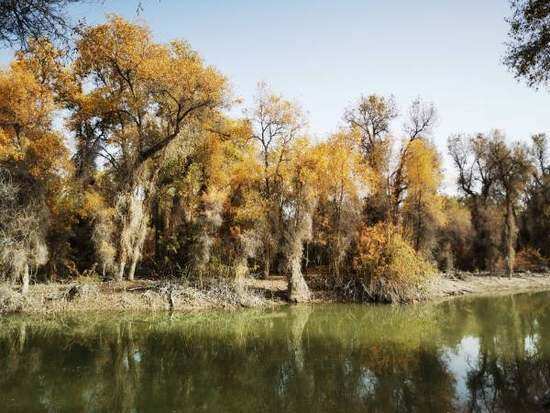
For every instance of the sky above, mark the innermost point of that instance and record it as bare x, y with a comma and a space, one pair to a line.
325, 54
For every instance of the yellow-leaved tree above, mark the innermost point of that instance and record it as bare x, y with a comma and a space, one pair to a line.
422, 205
343, 181
33, 161
299, 195
131, 99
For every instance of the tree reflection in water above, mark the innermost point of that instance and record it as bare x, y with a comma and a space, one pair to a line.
312, 358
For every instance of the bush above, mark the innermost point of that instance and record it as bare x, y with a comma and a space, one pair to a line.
10, 301
385, 267
530, 259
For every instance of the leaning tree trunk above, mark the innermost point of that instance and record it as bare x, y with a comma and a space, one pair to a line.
298, 291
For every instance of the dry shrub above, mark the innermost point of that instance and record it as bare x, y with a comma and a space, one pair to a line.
22, 229
385, 267
530, 259
220, 292
10, 301
133, 219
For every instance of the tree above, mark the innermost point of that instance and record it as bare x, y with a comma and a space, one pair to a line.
370, 119
342, 179
492, 175
32, 160
193, 200
275, 124
512, 168
299, 201
454, 237
423, 206
536, 217
420, 121
476, 181
132, 98
528, 53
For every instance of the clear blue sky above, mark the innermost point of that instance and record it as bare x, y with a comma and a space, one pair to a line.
326, 53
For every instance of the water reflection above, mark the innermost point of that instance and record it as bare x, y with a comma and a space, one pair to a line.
482, 354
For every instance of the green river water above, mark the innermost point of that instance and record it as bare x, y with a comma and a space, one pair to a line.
471, 354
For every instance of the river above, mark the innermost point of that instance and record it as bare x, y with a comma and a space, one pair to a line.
469, 354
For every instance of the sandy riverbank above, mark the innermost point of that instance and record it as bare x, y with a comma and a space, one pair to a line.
471, 284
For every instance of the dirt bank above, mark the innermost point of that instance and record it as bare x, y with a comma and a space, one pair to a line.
142, 295
461, 284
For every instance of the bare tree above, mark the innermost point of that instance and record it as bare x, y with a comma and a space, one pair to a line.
536, 217
492, 174
476, 180
24, 19
512, 169
372, 116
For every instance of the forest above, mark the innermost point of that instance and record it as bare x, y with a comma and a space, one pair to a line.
124, 158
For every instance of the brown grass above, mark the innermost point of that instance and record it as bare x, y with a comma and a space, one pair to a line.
89, 295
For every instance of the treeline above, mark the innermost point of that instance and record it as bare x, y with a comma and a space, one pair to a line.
118, 157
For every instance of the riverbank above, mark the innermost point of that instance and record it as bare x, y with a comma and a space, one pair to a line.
89, 295
461, 284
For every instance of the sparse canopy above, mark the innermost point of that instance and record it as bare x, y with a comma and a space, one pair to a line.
21, 20
528, 53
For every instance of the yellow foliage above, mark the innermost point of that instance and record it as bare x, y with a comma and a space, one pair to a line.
423, 206
341, 171
386, 266
145, 93
422, 167
26, 111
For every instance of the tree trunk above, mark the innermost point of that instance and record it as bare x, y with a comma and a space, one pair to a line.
509, 241
137, 250
267, 262
298, 291
121, 268
132, 272
241, 271
25, 280
448, 257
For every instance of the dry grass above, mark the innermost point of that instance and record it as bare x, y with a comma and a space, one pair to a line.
88, 295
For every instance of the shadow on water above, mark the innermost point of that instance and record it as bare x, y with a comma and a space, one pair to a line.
477, 354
